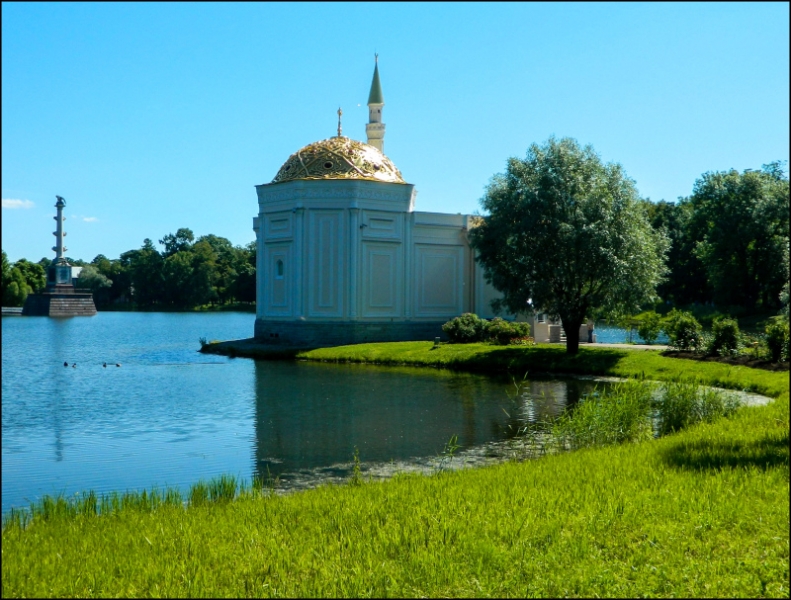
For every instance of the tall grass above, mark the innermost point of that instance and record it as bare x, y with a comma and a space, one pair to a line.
217, 490
620, 414
685, 404
631, 411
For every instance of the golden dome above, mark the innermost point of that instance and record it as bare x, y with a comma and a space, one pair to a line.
339, 158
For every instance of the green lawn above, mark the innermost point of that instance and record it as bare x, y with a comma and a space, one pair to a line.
548, 358
704, 512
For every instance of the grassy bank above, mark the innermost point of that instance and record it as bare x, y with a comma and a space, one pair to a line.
546, 358
704, 512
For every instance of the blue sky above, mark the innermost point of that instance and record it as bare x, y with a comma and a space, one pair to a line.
151, 117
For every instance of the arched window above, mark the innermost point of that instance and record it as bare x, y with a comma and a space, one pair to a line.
279, 269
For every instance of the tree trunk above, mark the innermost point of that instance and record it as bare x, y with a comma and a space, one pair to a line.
571, 325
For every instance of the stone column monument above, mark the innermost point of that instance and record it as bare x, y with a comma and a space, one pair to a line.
60, 298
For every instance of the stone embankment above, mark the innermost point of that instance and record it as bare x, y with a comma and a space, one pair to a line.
60, 304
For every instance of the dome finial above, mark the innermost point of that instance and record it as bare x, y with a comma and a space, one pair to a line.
340, 112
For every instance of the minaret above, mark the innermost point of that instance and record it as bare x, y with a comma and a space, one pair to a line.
375, 129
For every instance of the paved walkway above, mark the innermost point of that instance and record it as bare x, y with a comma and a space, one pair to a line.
626, 346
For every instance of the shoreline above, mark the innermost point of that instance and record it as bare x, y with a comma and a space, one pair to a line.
252, 348
611, 360
708, 500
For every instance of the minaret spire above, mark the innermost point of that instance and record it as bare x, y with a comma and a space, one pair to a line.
375, 129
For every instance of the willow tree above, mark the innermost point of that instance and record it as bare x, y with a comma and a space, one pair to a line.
565, 234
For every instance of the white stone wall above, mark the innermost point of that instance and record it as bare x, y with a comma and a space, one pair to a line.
357, 251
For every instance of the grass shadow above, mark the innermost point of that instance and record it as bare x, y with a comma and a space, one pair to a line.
253, 348
767, 453
542, 359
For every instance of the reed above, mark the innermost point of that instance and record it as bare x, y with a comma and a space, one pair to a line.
620, 414
630, 411
684, 404
222, 488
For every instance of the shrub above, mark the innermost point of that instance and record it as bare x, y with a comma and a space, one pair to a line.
504, 332
777, 338
725, 337
465, 329
683, 330
649, 327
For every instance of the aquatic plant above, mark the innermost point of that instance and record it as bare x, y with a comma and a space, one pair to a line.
447, 454
357, 477
681, 405
605, 417
198, 494
630, 411
222, 488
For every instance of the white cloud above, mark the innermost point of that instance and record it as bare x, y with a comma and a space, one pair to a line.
14, 203
90, 219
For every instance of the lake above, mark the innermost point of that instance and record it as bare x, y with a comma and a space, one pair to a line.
169, 416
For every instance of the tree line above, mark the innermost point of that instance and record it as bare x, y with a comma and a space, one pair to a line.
563, 234
186, 273
729, 240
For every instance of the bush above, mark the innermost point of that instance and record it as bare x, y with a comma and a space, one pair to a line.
777, 338
649, 327
466, 329
725, 337
683, 330
504, 332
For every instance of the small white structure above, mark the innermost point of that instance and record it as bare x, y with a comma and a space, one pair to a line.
343, 257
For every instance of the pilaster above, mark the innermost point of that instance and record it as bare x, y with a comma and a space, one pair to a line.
300, 277
354, 243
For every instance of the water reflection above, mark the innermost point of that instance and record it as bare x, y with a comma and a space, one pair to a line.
171, 416
313, 415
